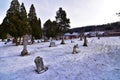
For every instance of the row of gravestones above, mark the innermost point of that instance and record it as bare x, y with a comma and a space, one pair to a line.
75, 48
52, 44
38, 60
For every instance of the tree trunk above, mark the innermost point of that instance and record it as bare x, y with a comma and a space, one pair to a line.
32, 39
20, 41
16, 42
81, 37
2, 39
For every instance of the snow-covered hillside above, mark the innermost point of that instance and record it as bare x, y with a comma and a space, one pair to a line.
99, 61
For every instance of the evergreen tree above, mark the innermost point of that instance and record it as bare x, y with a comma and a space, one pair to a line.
63, 22
46, 28
3, 34
5, 24
40, 29
24, 25
50, 29
12, 20
15, 22
55, 29
34, 23
32, 13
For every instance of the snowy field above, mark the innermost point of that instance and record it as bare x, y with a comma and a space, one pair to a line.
99, 61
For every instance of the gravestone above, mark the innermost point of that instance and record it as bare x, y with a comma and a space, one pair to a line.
25, 43
63, 41
40, 65
52, 44
50, 39
98, 35
75, 49
85, 41
38, 41
72, 41
81, 36
45, 39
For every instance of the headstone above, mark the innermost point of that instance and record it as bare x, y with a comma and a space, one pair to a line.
52, 44
45, 39
75, 49
98, 37
38, 41
63, 41
81, 37
8, 40
25, 43
50, 38
72, 41
85, 41
40, 65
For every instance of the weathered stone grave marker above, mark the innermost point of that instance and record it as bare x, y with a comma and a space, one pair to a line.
52, 44
75, 49
72, 41
63, 40
40, 65
25, 42
85, 41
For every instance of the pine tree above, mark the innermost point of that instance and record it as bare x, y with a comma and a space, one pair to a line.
40, 29
34, 23
32, 13
15, 22
55, 29
3, 34
12, 20
46, 28
50, 29
24, 27
63, 22
5, 24
23, 17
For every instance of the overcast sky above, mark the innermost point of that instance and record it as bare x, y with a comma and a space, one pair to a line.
80, 12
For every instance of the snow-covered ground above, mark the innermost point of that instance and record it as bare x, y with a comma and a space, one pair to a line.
99, 61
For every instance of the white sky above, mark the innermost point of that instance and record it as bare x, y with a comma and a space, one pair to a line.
80, 12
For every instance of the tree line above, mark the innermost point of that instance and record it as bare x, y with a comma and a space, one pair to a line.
18, 23
115, 27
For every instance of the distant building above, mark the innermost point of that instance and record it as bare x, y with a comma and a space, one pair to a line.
70, 36
94, 33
